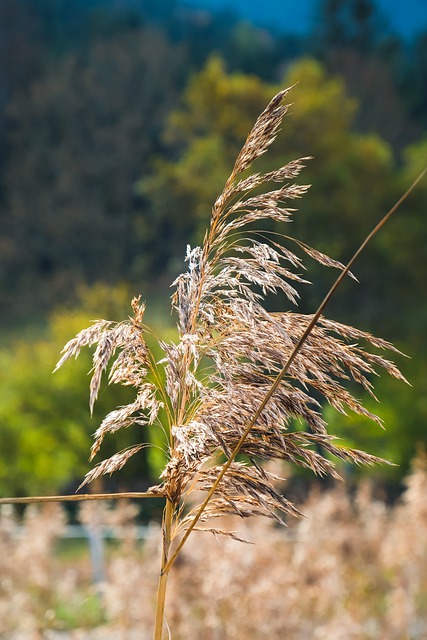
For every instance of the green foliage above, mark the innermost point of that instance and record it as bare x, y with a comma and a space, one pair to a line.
46, 429
204, 136
42, 441
404, 413
351, 172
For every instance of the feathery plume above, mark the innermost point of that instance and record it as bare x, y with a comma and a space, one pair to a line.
222, 320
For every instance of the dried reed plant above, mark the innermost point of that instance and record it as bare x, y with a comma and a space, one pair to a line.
239, 378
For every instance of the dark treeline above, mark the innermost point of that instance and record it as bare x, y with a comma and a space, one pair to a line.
119, 122
86, 89
85, 92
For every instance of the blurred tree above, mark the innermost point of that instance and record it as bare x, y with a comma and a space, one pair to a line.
253, 50
413, 79
348, 24
351, 171
404, 246
353, 40
78, 144
204, 138
20, 58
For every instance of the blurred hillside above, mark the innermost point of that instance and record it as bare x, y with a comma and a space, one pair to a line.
119, 122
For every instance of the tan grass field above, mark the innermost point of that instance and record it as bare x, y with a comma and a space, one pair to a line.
351, 569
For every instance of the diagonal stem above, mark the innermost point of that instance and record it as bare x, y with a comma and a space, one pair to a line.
287, 365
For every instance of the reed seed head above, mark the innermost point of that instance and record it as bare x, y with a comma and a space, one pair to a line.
229, 351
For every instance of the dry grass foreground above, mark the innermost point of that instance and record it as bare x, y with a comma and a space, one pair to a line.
351, 569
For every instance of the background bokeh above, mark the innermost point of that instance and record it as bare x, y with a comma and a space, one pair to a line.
119, 123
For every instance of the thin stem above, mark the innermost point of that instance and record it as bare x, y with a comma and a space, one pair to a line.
80, 497
163, 578
287, 365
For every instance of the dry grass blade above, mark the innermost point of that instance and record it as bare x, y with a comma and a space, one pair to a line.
116, 462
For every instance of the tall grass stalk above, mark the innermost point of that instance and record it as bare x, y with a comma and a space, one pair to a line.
240, 379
